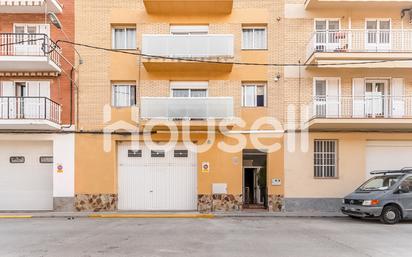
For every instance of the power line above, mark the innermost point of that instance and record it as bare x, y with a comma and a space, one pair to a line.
198, 60
228, 63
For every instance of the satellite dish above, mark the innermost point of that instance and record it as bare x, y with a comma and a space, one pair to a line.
54, 20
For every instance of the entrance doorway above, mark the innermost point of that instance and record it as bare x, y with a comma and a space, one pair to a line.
254, 179
375, 100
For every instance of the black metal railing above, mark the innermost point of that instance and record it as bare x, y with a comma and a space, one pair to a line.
26, 44
33, 108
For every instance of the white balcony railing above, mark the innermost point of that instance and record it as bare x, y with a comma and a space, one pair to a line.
30, 6
16, 44
343, 41
169, 108
368, 106
189, 46
29, 108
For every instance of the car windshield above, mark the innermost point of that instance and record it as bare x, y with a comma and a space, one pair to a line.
380, 183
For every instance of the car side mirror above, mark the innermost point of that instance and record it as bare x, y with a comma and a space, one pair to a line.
404, 188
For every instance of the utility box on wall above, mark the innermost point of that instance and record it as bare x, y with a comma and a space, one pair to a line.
276, 182
219, 188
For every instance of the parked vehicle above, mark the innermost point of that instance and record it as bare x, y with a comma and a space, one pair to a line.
387, 196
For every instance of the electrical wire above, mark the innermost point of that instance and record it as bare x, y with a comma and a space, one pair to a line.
199, 60
226, 63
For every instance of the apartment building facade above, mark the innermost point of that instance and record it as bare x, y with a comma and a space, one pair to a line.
36, 159
126, 98
355, 90
201, 105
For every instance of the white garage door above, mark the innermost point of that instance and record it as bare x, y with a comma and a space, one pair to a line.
26, 175
381, 155
149, 179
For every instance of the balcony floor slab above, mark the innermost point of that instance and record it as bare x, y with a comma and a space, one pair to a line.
28, 124
27, 64
360, 124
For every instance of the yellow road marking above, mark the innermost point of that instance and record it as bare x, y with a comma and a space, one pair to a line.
15, 217
150, 216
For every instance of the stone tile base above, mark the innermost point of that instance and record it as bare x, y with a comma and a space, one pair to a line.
63, 204
204, 203
312, 204
219, 203
95, 202
275, 203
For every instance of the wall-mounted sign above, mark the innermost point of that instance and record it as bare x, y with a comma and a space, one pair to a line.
276, 182
17, 159
59, 168
205, 167
46, 159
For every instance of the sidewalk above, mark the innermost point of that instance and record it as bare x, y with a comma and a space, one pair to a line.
187, 215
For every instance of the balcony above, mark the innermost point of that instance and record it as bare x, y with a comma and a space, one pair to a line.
30, 6
371, 112
28, 53
189, 7
360, 49
356, 4
196, 110
29, 113
206, 48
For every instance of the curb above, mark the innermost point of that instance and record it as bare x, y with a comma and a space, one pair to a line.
16, 217
152, 216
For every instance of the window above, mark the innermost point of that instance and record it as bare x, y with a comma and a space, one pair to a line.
327, 25
181, 153
325, 155
409, 181
188, 88
30, 34
189, 29
378, 31
124, 38
157, 153
189, 92
134, 153
254, 95
124, 95
254, 38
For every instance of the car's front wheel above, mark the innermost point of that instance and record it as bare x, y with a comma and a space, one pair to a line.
390, 215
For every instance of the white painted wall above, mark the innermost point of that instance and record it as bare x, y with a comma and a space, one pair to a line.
63, 153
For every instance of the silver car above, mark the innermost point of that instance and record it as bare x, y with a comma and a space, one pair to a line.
387, 196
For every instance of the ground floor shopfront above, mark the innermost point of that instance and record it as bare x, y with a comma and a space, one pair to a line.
93, 172
199, 176
330, 165
36, 172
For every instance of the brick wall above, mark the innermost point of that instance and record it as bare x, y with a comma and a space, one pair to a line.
93, 26
60, 86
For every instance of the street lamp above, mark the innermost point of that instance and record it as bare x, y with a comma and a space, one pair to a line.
56, 22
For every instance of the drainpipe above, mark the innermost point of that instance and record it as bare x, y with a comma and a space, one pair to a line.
71, 99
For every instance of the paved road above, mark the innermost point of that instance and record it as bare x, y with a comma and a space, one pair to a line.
237, 237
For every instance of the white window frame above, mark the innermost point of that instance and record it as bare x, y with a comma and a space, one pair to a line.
325, 170
324, 100
189, 29
327, 23
378, 31
124, 28
255, 85
189, 85
327, 84
377, 20
130, 104
254, 28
